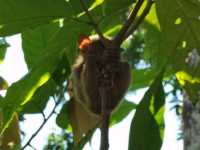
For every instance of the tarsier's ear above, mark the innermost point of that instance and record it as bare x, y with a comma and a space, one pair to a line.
83, 42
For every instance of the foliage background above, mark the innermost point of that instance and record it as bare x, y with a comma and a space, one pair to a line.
160, 53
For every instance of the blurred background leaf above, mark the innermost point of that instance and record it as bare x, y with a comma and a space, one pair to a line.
3, 47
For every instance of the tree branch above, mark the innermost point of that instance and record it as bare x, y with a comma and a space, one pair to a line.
93, 23
140, 19
119, 37
105, 133
105, 120
32, 146
39, 108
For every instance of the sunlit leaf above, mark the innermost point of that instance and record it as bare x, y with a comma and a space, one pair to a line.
190, 84
21, 92
184, 77
40, 98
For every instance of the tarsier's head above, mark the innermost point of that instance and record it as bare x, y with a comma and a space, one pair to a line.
90, 46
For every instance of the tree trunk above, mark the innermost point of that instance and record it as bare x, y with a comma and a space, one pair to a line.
191, 123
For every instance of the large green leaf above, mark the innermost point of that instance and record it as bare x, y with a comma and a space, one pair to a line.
21, 92
39, 41
36, 43
179, 32
171, 40
145, 127
15, 16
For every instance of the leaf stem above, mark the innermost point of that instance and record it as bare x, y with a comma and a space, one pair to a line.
105, 119
94, 24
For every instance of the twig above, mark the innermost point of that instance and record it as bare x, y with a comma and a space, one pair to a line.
140, 19
32, 146
119, 37
39, 108
93, 23
41, 126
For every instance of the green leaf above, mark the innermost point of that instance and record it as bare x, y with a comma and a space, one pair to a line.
146, 133
152, 46
124, 109
53, 37
3, 47
179, 32
62, 120
36, 43
190, 84
40, 98
18, 15
145, 130
21, 92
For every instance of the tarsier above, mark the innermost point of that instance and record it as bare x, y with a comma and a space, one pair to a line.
100, 77
98, 67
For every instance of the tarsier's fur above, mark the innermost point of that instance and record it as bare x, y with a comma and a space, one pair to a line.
100, 67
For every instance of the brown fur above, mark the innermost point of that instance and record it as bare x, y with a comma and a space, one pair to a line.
98, 67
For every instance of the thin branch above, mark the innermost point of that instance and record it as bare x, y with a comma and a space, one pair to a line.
60, 96
93, 23
119, 37
32, 146
140, 19
41, 126
39, 108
